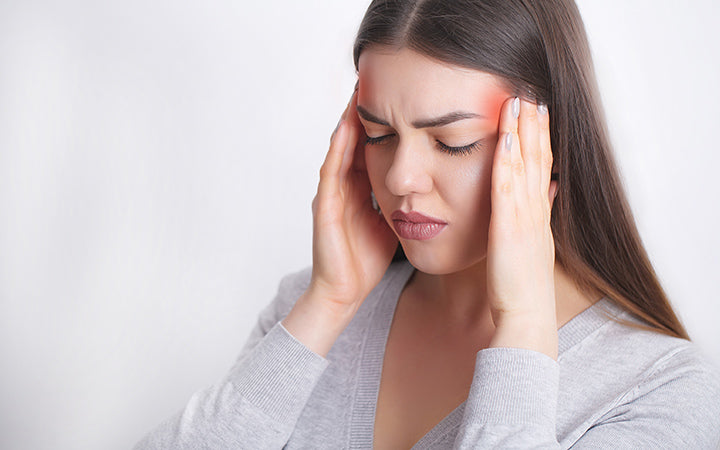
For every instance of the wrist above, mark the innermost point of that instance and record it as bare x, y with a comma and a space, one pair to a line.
317, 322
526, 331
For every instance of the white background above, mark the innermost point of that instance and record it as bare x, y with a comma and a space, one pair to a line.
158, 160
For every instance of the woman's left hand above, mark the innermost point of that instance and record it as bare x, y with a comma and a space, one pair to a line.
521, 251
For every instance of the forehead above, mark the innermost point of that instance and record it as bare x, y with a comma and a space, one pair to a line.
390, 78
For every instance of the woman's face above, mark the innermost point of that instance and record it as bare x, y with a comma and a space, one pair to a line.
432, 130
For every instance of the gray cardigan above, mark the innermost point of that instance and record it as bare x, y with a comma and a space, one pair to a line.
613, 386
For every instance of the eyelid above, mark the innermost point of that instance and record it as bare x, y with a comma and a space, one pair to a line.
462, 150
377, 140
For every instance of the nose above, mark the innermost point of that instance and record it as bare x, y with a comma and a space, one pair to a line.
410, 171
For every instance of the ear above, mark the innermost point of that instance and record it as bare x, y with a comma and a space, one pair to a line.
552, 193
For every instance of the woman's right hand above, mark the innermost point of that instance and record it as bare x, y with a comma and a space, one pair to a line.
352, 244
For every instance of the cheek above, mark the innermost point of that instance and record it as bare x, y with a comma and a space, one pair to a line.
377, 167
468, 189
472, 208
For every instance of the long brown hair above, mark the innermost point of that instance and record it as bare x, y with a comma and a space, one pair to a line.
540, 49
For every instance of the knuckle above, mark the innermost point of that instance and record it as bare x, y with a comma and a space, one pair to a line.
536, 156
531, 113
504, 187
518, 168
505, 162
547, 161
548, 153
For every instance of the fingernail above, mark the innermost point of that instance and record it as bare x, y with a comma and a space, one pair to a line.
516, 108
336, 128
542, 108
508, 141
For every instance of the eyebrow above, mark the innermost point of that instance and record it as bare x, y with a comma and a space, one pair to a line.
423, 123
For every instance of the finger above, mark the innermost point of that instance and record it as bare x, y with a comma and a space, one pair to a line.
359, 156
354, 126
502, 192
353, 99
509, 125
330, 170
348, 120
332, 135
345, 111
501, 197
546, 156
508, 116
358, 160
528, 130
518, 170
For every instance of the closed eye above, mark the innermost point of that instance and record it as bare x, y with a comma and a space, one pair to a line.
377, 140
463, 150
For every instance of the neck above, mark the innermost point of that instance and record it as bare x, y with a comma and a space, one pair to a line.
461, 297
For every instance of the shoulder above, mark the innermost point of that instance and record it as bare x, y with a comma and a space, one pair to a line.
678, 389
669, 368
647, 377
649, 354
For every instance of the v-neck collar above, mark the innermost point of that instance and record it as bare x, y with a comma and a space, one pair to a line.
369, 374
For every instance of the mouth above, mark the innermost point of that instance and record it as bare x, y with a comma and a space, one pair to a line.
416, 226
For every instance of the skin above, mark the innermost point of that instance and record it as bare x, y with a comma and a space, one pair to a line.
489, 279
408, 171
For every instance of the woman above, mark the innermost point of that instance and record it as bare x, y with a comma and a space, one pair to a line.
522, 310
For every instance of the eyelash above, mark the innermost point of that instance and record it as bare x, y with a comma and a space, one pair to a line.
464, 150
376, 140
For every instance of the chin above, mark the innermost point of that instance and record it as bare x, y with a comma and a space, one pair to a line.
433, 262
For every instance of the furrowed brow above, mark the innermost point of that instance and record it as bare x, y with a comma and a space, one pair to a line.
446, 119
424, 123
367, 115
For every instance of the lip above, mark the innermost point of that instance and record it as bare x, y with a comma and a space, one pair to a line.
416, 226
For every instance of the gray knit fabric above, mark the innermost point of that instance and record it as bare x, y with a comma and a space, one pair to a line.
613, 386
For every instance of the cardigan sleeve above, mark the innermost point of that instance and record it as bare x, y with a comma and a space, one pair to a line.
513, 403
260, 400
